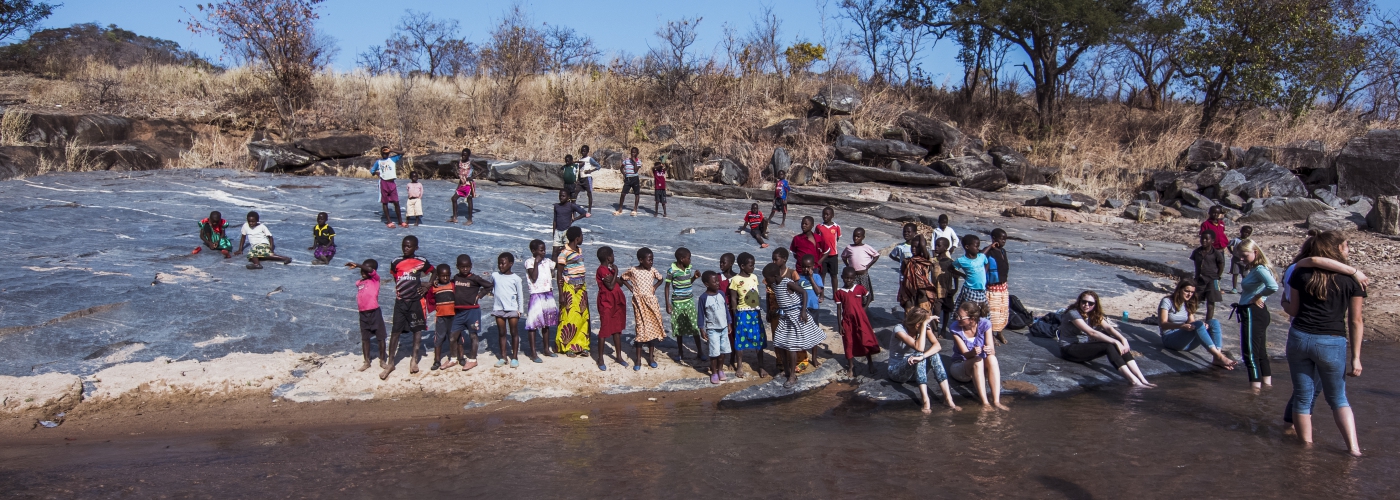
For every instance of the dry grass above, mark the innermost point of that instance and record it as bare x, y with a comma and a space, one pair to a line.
12, 127
214, 151
1104, 148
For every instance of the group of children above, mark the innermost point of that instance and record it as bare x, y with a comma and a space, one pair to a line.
387, 167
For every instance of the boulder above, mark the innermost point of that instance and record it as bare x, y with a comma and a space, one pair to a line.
973, 171
872, 149
333, 145
460, 132
1384, 217
1202, 150
1017, 168
1257, 154
1234, 157
939, 138
23, 161
1150, 196
789, 131
1113, 203
1174, 189
1037, 213
1329, 198
529, 173
1268, 180
1211, 175
1280, 209
1188, 210
1069, 216
801, 175
683, 160
837, 171
836, 99
128, 156
1336, 220
1231, 182
1362, 206
896, 134
272, 157
913, 168
59, 129
780, 162
1057, 201
1195, 199
1164, 179
1232, 200
1142, 212
661, 133
732, 173
444, 165
1370, 165
1311, 156
844, 127
610, 159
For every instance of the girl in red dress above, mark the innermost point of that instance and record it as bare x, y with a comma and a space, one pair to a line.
612, 307
856, 334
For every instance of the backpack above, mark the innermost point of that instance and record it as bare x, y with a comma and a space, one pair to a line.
1018, 318
1047, 326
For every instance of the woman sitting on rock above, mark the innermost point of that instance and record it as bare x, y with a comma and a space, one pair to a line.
914, 354
974, 359
1084, 336
1181, 331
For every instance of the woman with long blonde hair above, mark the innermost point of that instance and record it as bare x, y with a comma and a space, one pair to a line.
1258, 284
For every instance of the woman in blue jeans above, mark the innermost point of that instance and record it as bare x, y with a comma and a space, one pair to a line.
1181, 331
914, 355
1326, 333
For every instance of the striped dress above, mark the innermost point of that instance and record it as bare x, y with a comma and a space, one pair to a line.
793, 334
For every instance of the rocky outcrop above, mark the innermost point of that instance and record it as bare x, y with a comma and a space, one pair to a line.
973, 172
268, 156
335, 145
1336, 220
836, 99
939, 138
1370, 165
661, 133
529, 173
1384, 217
873, 149
57, 129
791, 130
1203, 151
1017, 168
780, 163
1279, 209
1267, 180
847, 172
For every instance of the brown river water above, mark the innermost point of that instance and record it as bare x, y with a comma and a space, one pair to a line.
1199, 435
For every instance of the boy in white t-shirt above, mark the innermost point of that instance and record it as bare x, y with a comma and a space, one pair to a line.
387, 169
262, 244
943, 231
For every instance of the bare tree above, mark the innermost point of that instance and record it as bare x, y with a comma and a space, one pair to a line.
376, 60
567, 48
873, 27
279, 36
672, 63
762, 46
515, 53
1148, 44
420, 42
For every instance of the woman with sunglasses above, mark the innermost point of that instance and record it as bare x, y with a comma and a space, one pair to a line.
1181, 331
973, 357
1085, 336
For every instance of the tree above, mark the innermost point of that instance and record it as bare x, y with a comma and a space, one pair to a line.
421, 43
1148, 44
1242, 53
568, 49
22, 15
515, 53
279, 37
800, 56
672, 64
872, 32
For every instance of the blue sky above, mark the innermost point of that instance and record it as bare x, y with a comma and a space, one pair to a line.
614, 25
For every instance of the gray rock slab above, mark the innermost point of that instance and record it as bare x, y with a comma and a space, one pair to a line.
773, 390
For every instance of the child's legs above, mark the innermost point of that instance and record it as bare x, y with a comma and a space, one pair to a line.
514, 337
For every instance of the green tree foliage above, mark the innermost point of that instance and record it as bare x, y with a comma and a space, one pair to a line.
801, 56
1244, 53
1149, 41
22, 15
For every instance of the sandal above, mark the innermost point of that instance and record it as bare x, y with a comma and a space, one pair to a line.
515, 363
500, 363
448, 364
468, 365
253, 266
653, 364
603, 367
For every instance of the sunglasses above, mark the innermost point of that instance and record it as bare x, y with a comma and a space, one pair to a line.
1087, 302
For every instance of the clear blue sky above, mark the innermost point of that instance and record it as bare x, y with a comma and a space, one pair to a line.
614, 25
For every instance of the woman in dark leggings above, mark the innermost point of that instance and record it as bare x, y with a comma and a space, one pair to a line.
1084, 336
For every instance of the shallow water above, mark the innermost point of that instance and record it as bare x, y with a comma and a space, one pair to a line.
1200, 434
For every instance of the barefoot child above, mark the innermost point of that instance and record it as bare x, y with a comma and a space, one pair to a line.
856, 335
574, 325
943, 231
947, 282
509, 294
714, 325
642, 279
467, 290
612, 307
415, 199
1210, 263
408, 272
781, 188
587, 165
263, 246
810, 279
829, 262
387, 168
542, 315
566, 212
371, 319
680, 304
973, 267
998, 298
1238, 266
631, 182
796, 331
860, 257
322, 241
756, 225
569, 174
466, 186
213, 231
442, 291
748, 326
726, 271
658, 183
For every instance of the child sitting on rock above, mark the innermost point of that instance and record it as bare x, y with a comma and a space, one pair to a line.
322, 241
262, 243
213, 230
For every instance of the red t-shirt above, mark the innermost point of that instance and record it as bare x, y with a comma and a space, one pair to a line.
801, 246
832, 235
753, 219
1217, 229
658, 175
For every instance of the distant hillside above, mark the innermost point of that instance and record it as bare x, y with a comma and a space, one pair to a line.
60, 51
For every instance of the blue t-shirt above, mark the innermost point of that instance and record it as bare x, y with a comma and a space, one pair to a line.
811, 291
975, 269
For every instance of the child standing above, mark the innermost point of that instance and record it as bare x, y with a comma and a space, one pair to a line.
1210, 263
998, 298
748, 326
322, 241
856, 335
467, 289
408, 272
387, 168
780, 196
444, 295
809, 242
796, 331
642, 279
631, 181
574, 325
973, 267
565, 213
860, 257
726, 271
756, 225
1238, 266
263, 246
371, 319
829, 262
569, 174
612, 307
509, 300
947, 282
943, 231
680, 279
658, 186
905, 250
815, 288
415, 199
1215, 225
466, 186
543, 313
587, 165
714, 325
213, 231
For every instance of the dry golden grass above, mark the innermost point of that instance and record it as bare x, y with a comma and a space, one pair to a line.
1103, 148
